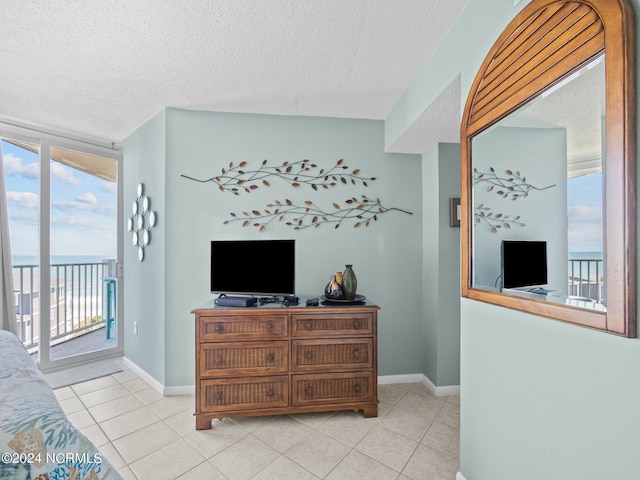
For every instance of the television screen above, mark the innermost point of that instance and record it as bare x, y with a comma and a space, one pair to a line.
524, 263
253, 267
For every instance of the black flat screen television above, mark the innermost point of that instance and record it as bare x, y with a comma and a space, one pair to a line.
524, 263
253, 267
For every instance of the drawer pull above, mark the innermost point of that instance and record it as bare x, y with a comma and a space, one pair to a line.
308, 325
271, 357
309, 391
219, 328
218, 360
357, 388
218, 397
270, 393
308, 355
356, 353
269, 327
356, 324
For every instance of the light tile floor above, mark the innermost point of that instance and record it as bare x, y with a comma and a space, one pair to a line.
148, 436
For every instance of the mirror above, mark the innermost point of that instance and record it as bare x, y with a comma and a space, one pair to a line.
537, 177
548, 162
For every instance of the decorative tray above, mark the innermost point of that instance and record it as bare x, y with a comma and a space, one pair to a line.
358, 299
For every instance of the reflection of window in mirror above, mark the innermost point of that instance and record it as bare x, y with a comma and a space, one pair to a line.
548, 157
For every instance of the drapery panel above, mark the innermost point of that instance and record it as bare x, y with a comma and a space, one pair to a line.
7, 298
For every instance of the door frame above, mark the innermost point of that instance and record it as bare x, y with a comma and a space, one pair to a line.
46, 140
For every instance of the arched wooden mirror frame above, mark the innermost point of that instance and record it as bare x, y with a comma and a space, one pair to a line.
545, 43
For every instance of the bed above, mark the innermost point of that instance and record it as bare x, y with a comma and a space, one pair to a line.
37, 441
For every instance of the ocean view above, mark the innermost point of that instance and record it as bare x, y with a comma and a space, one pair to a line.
77, 293
585, 255
80, 274
32, 260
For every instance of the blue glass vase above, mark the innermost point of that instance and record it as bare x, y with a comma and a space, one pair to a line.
333, 289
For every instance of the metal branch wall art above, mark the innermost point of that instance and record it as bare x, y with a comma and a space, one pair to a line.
482, 213
242, 178
300, 216
237, 178
512, 186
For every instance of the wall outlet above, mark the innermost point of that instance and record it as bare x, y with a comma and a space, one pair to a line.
135, 328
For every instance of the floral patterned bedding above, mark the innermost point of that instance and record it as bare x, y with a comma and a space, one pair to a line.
37, 441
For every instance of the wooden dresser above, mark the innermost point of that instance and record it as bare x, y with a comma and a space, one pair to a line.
277, 360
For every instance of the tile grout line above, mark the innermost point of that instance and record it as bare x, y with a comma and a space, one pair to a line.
109, 440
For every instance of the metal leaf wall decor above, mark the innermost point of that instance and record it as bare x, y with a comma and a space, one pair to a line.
482, 213
512, 186
308, 214
241, 177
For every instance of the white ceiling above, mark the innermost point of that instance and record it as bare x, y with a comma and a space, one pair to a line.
102, 68
577, 104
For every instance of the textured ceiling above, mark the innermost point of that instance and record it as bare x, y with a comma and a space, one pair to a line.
576, 104
440, 122
102, 68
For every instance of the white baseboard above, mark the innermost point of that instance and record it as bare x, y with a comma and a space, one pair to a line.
382, 380
420, 378
440, 391
406, 378
459, 476
156, 385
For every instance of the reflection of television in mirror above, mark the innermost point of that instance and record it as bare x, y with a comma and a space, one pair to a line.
524, 263
253, 267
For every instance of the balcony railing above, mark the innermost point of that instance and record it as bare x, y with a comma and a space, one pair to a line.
586, 279
76, 298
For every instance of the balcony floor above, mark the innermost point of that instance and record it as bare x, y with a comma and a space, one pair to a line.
89, 342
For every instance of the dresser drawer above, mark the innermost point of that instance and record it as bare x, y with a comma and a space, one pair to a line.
329, 325
244, 393
333, 355
243, 358
332, 388
223, 328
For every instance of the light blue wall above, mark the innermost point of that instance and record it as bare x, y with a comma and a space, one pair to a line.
440, 266
386, 256
547, 400
144, 288
540, 399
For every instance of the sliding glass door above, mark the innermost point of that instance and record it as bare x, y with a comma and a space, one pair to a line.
21, 163
83, 252
64, 228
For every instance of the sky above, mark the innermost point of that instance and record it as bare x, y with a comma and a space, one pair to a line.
83, 207
584, 205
